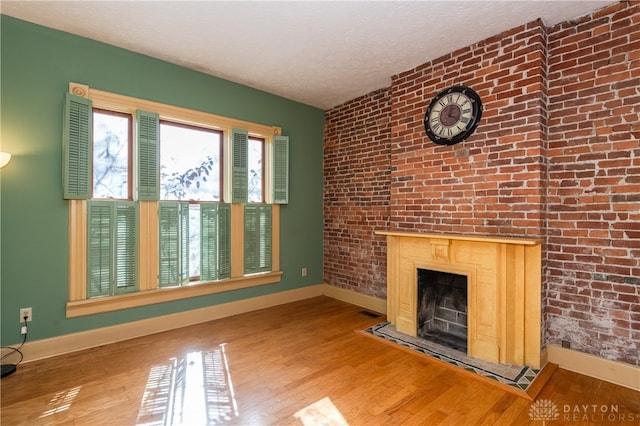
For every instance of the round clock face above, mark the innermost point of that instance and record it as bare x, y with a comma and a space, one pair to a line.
453, 115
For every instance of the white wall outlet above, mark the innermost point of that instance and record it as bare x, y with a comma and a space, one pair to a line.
26, 312
304, 272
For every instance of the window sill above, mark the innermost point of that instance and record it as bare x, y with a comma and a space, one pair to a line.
142, 298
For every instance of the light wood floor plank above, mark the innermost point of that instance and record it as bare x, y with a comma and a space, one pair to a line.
288, 365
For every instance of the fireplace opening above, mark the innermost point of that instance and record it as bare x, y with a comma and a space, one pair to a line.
442, 308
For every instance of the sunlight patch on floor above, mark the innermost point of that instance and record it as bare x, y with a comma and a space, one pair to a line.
322, 412
194, 389
61, 401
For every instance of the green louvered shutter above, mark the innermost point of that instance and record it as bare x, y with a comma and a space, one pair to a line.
215, 244
169, 242
126, 247
257, 238
264, 238
99, 247
250, 238
77, 143
224, 241
208, 241
148, 125
112, 265
239, 159
281, 170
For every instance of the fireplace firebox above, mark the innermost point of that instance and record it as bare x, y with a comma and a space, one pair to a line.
442, 308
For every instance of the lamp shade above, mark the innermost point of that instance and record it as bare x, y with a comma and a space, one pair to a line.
4, 159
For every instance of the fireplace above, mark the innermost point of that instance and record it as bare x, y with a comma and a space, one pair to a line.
442, 308
503, 281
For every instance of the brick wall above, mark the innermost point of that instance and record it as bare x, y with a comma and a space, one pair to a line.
492, 184
555, 156
356, 193
593, 250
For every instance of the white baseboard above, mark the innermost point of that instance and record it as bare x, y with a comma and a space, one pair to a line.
45, 348
590, 365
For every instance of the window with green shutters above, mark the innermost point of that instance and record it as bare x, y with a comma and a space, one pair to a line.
175, 201
211, 237
191, 227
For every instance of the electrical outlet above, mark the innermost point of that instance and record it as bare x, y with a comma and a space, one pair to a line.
304, 272
26, 312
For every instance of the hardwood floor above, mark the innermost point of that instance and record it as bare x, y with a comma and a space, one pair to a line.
300, 363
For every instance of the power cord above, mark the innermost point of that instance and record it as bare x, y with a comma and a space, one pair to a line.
8, 369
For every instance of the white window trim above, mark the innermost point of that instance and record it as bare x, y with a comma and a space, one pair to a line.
148, 292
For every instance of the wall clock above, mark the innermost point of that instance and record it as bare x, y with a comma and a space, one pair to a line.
453, 115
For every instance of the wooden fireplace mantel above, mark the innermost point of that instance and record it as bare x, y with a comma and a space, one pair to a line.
503, 289
499, 240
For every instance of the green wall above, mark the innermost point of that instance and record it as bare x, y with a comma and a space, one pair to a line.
37, 65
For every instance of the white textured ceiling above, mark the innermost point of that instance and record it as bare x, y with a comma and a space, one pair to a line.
321, 53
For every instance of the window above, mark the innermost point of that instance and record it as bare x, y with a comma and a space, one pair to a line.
194, 242
190, 172
257, 218
255, 159
190, 163
156, 206
111, 155
112, 225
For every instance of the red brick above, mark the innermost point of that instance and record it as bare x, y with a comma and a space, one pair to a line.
555, 155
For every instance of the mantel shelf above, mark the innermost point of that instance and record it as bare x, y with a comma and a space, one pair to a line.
465, 237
